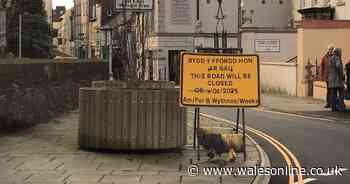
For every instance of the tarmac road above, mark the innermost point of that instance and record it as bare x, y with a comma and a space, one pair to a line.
315, 142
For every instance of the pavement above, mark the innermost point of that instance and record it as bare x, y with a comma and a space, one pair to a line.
49, 154
304, 107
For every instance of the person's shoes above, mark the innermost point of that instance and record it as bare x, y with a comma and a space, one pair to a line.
327, 106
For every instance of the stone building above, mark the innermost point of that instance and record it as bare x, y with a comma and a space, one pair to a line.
57, 20
2, 30
268, 30
95, 16
48, 9
81, 26
87, 23
66, 34
3, 17
340, 8
179, 25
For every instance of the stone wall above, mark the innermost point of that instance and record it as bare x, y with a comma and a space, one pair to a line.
33, 92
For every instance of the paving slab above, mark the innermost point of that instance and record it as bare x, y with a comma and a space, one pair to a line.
47, 177
123, 178
49, 154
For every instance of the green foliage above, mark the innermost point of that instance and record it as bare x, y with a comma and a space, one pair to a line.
36, 36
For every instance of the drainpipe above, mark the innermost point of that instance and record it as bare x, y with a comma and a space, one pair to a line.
197, 10
239, 44
195, 31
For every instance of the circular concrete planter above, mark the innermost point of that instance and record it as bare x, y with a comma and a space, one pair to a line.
142, 115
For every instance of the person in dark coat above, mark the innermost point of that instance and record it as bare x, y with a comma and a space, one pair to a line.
336, 81
325, 72
347, 69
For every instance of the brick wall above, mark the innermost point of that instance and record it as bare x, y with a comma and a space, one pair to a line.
34, 92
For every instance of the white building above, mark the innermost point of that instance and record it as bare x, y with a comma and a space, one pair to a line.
87, 24
179, 25
341, 7
48, 9
65, 33
266, 13
267, 30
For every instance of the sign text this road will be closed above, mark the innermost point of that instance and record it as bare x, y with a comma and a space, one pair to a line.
219, 80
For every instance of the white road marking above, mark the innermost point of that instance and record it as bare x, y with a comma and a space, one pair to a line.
308, 180
295, 115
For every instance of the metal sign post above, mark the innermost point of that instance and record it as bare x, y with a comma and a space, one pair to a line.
237, 121
197, 128
242, 111
244, 136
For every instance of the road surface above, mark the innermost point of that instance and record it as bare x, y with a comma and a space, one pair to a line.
315, 142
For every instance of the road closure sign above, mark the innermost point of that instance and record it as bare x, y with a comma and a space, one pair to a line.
219, 80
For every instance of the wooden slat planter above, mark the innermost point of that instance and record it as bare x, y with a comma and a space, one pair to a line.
131, 116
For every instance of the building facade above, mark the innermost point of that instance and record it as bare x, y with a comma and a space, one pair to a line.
81, 24
48, 9
95, 16
341, 7
268, 30
87, 17
266, 13
65, 32
179, 25
56, 25
2, 30
57, 21
322, 23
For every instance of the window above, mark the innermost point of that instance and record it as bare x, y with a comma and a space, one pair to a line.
174, 65
340, 3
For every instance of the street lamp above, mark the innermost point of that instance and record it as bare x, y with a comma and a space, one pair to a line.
108, 29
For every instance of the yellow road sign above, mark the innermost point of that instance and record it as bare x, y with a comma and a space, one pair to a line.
219, 80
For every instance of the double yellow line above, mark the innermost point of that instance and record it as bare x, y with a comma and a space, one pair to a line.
288, 156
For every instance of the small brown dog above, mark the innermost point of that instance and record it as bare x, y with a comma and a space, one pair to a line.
217, 144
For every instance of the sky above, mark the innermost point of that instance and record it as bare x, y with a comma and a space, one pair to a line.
67, 3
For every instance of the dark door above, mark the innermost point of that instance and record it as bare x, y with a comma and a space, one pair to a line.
174, 65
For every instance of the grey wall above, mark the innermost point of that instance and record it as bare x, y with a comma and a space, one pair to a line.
32, 93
